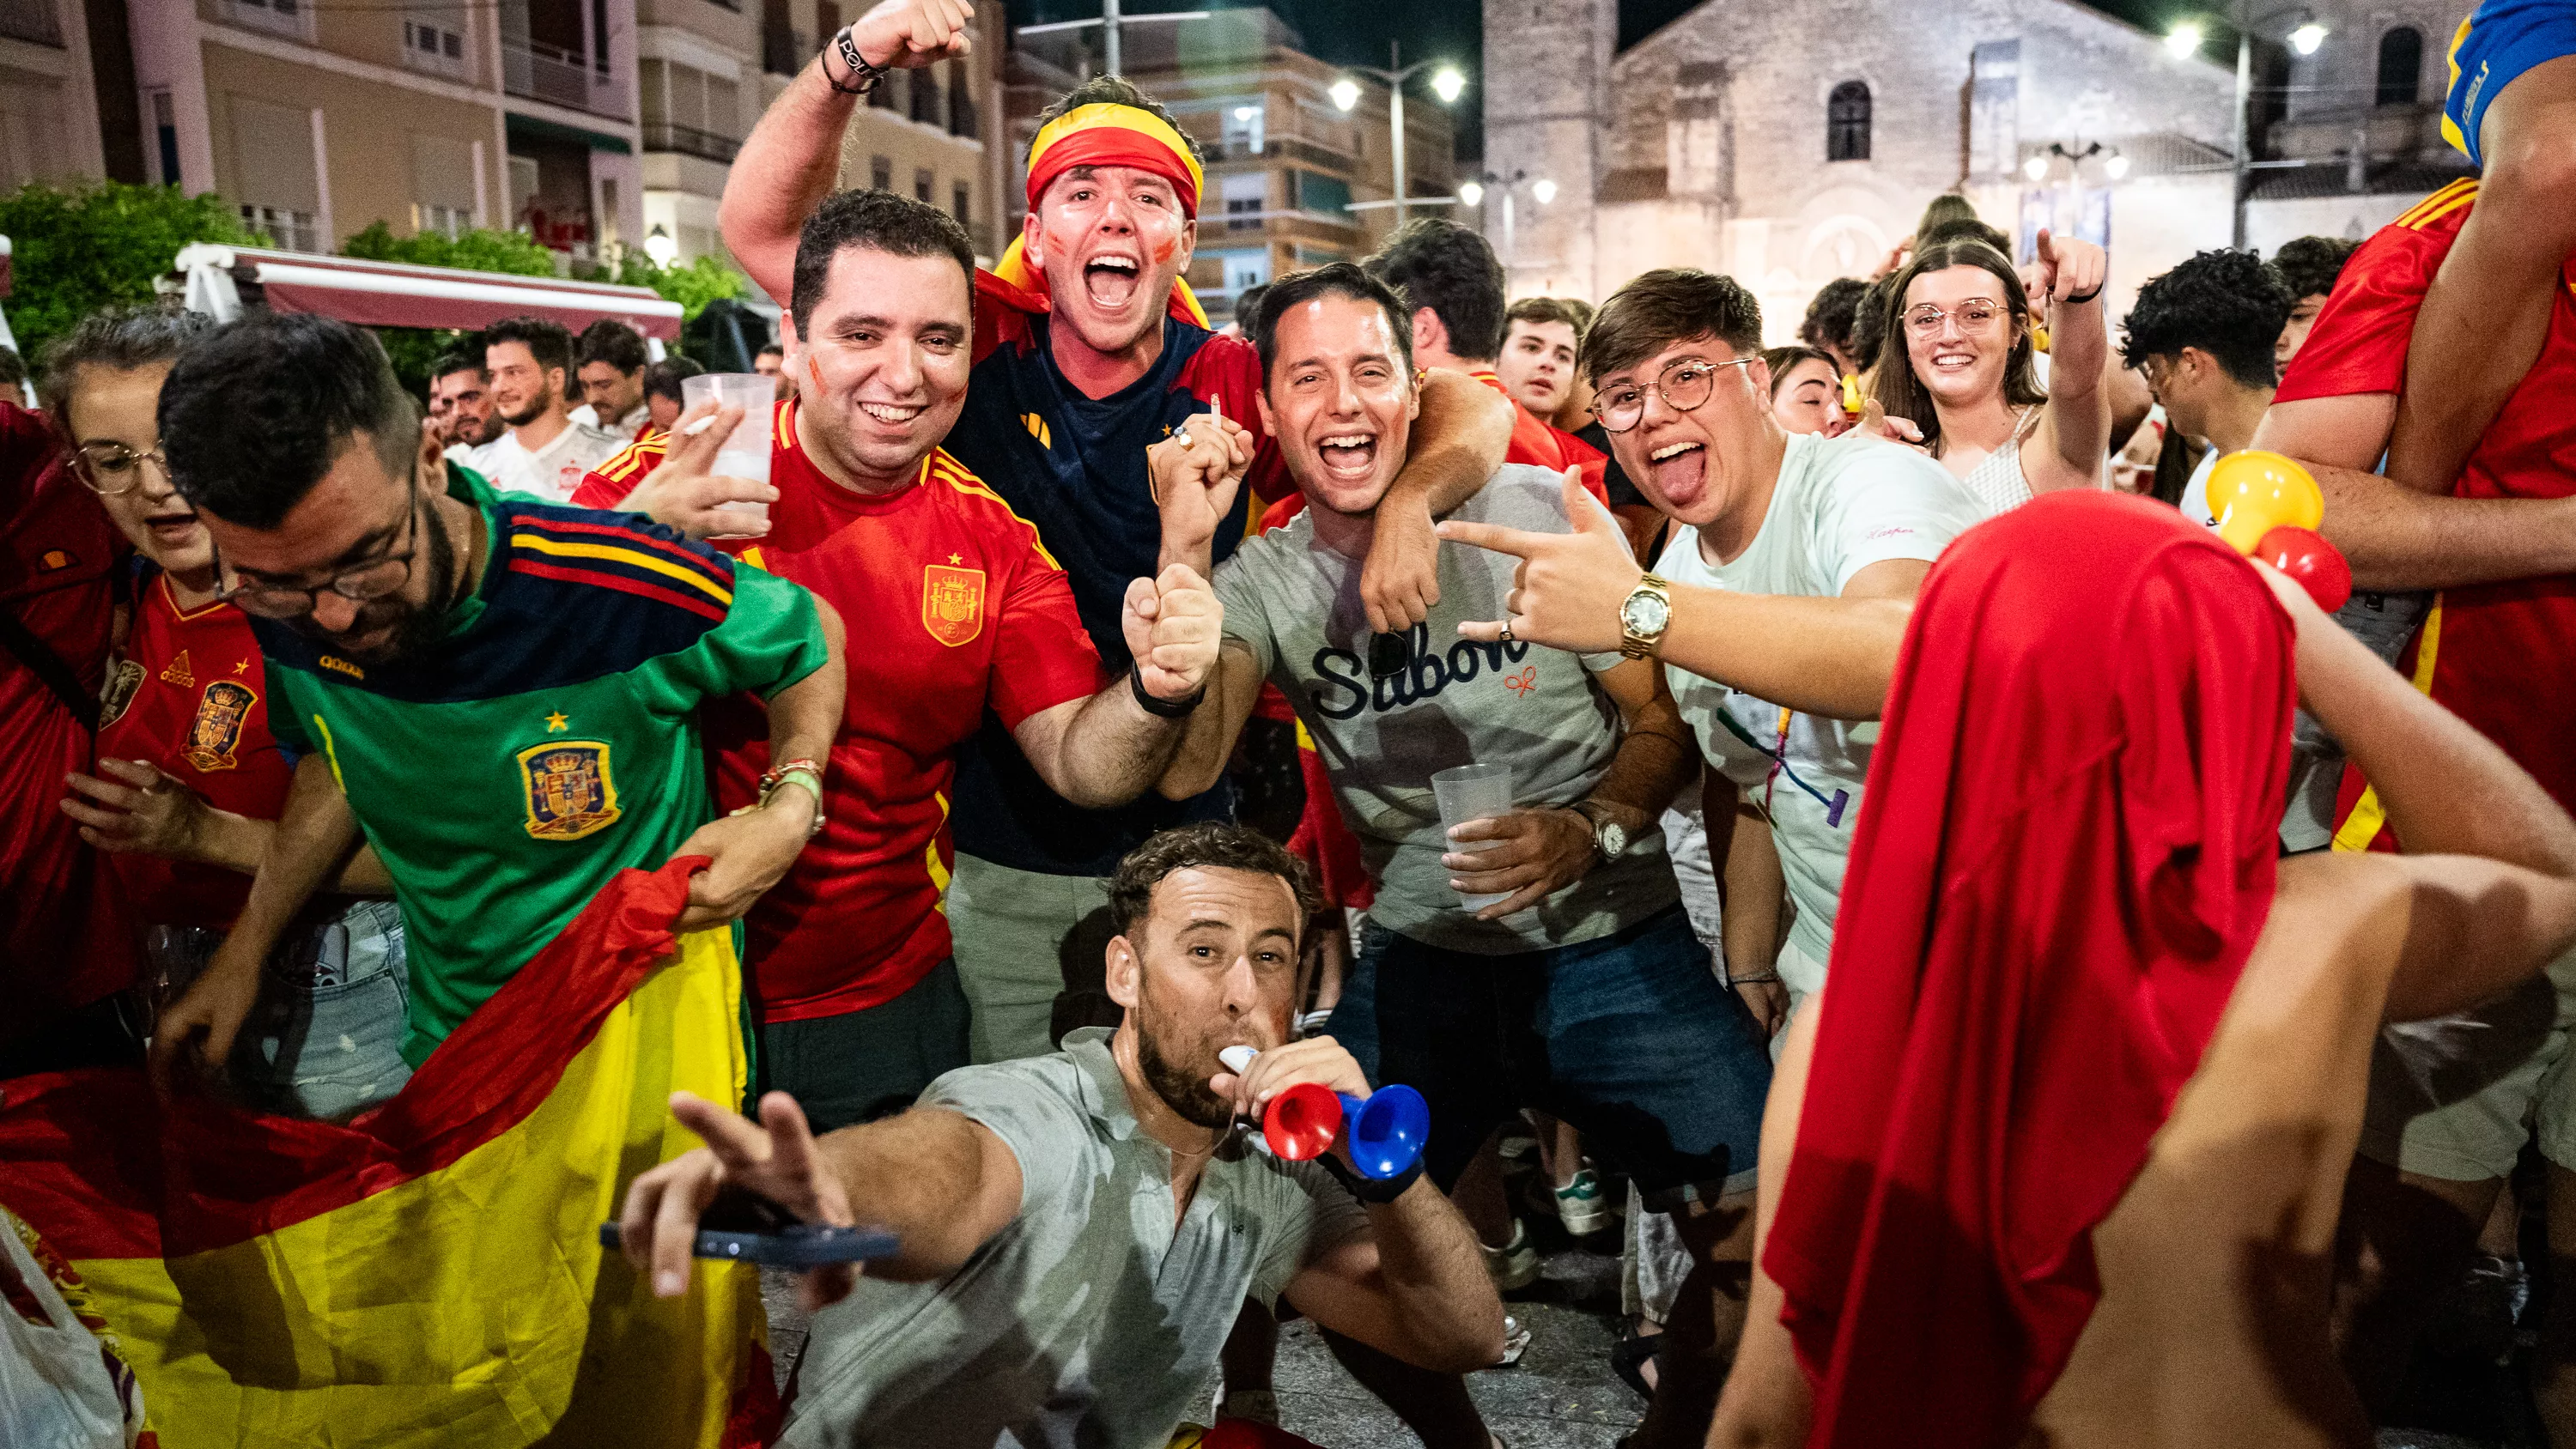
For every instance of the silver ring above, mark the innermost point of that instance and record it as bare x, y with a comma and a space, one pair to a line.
1183, 434
1507, 633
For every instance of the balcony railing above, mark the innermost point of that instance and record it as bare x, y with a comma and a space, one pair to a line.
32, 21
689, 141
540, 72
784, 51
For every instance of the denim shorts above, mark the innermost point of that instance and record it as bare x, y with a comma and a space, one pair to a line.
1630, 1038
325, 1038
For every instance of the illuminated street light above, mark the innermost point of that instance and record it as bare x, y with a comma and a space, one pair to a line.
2307, 38
1345, 93
2184, 39
1544, 190
2035, 168
2115, 166
1473, 193
1447, 83
659, 246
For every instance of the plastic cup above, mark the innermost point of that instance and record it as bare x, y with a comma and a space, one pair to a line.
1472, 792
745, 454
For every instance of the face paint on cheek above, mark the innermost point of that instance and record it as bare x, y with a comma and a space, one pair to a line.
1163, 250
814, 370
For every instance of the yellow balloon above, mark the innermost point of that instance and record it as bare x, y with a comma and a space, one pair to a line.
2253, 492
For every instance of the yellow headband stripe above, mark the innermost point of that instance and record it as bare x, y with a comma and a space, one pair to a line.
1125, 118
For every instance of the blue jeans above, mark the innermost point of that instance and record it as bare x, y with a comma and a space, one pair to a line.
1629, 1037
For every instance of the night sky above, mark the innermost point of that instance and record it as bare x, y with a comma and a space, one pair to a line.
1356, 32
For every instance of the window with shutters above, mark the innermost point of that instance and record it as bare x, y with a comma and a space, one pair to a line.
1847, 123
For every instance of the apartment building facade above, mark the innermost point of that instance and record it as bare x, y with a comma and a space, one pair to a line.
1293, 180
317, 120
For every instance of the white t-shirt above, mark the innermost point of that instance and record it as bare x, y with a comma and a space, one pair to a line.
553, 471
2195, 492
1841, 505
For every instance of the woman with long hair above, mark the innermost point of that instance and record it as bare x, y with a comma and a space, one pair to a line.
1955, 362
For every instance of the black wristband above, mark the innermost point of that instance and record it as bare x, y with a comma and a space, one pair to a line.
863, 76
1165, 708
1374, 1191
2087, 297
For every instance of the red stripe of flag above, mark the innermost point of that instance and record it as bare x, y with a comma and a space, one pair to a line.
619, 582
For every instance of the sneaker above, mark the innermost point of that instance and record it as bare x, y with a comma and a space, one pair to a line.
1580, 1205
1261, 1406
1516, 1338
1516, 1266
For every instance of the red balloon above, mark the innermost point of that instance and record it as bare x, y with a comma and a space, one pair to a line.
2314, 564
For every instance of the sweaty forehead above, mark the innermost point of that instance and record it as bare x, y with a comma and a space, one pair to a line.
1249, 902
1120, 178
909, 292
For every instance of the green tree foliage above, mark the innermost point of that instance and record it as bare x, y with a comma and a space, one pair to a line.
478, 250
83, 248
691, 284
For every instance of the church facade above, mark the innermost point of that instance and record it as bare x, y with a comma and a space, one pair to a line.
1791, 143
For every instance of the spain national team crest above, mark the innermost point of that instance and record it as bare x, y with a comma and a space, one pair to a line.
216, 731
952, 603
570, 791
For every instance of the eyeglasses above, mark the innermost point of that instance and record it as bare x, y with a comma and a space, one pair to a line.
1684, 386
1974, 315
113, 468
370, 580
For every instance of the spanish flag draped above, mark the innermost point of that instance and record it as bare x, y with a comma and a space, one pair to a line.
429, 1274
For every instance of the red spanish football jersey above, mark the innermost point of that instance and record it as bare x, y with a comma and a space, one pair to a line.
189, 698
61, 944
1541, 444
2501, 656
952, 607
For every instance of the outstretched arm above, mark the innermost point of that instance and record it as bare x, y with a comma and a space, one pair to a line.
1832, 657
2399, 537
940, 1182
794, 155
2489, 873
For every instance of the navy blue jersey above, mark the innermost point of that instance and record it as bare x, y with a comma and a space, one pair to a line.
1075, 467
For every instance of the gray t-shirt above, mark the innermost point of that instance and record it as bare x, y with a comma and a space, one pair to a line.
2384, 622
1295, 603
1091, 1320
1840, 506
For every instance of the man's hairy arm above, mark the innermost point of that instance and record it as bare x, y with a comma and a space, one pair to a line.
940, 1181
1656, 756
1215, 725
1417, 1288
2398, 537
1832, 657
1462, 437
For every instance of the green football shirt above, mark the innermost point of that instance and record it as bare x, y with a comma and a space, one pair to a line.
548, 740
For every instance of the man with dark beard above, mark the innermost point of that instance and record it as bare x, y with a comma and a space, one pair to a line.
1079, 1230
503, 693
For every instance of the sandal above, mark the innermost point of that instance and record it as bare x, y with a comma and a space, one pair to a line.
1630, 1355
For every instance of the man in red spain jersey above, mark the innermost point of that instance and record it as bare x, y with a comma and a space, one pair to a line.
1089, 349
2494, 645
189, 781
956, 608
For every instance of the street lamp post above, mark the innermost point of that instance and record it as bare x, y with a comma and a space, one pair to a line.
1447, 84
2305, 37
1542, 189
1109, 22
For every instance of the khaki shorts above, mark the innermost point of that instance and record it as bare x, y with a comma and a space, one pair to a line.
2457, 1099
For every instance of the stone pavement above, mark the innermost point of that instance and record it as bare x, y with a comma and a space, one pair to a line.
1561, 1395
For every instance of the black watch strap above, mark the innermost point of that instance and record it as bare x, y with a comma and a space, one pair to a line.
1374, 1191
1165, 708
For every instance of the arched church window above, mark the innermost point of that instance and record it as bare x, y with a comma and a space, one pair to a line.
2401, 65
1847, 123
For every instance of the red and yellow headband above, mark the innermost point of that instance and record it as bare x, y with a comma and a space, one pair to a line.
1106, 134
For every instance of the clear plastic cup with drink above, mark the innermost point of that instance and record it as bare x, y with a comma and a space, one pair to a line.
1473, 792
745, 453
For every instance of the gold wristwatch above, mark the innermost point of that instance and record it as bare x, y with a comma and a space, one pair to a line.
1644, 615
